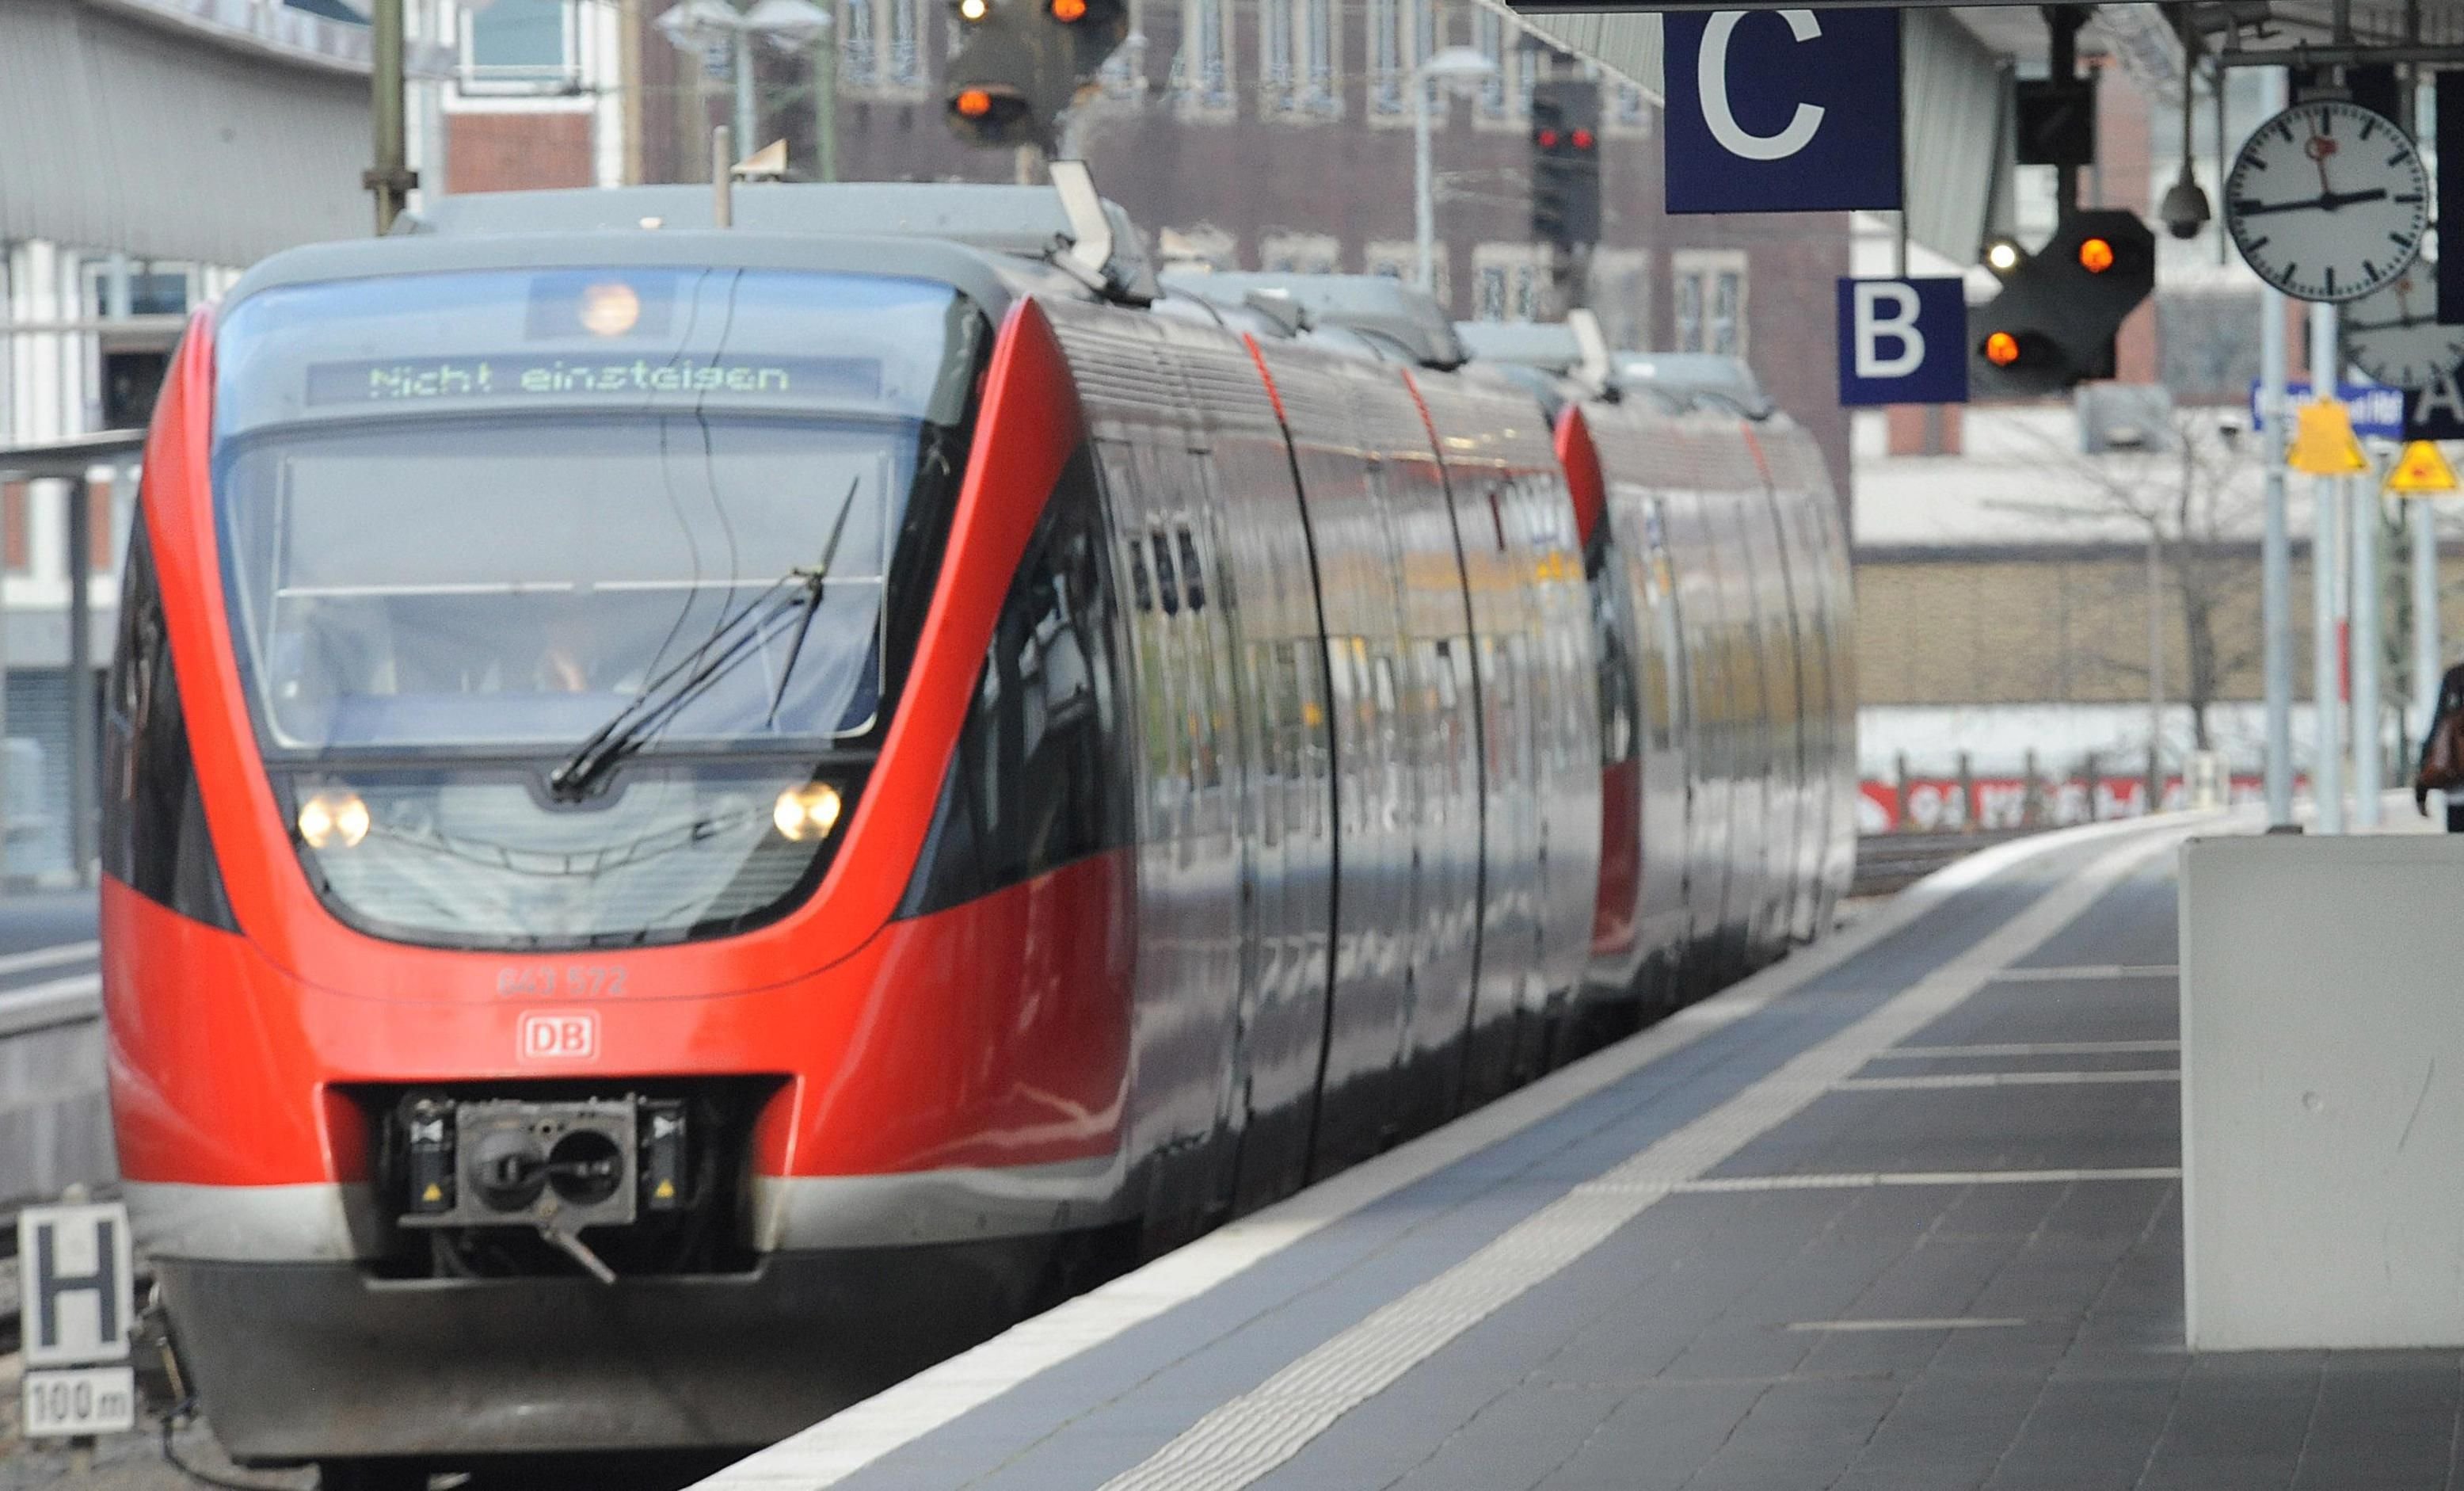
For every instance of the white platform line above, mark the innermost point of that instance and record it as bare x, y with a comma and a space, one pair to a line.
1941, 1079
2042, 1048
1955, 1322
2085, 972
855, 1437
1244, 1438
1853, 1181
49, 957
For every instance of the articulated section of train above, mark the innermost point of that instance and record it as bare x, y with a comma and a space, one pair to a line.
697, 819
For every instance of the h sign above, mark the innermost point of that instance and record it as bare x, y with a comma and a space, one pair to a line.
78, 1300
1902, 342
1782, 111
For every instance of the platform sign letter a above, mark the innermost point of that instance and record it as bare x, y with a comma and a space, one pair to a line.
1902, 342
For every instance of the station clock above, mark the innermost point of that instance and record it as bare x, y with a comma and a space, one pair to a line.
2327, 201
2393, 335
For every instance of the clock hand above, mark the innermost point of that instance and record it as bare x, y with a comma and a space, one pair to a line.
2397, 324
2324, 202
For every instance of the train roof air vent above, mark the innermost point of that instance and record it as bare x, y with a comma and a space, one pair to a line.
1387, 314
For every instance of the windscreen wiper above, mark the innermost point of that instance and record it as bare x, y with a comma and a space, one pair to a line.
667, 694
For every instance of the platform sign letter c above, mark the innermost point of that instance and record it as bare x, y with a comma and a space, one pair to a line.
1711, 80
1872, 327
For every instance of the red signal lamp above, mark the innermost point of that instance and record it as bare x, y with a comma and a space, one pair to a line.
1548, 140
1583, 140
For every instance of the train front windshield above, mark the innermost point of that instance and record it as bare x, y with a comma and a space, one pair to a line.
477, 526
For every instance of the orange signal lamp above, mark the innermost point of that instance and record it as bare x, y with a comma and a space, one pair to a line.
1067, 10
975, 103
2001, 349
2096, 255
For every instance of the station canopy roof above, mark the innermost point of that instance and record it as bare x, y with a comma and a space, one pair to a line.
1955, 60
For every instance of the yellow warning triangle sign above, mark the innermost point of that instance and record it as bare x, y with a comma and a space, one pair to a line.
667, 1191
2323, 441
433, 1193
2421, 472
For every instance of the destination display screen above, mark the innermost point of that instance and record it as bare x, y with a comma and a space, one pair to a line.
519, 376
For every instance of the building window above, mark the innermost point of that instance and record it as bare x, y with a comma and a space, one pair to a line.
518, 46
1204, 67
1509, 282
859, 64
1708, 302
1403, 33
1124, 74
1488, 37
1400, 258
1275, 39
1629, 111
1320, 93
1622, 297
906, 42
1298, 254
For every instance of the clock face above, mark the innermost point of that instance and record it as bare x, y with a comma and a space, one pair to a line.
2327, 201
2393, 334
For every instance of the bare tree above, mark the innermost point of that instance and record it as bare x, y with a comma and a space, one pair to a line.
2191, 495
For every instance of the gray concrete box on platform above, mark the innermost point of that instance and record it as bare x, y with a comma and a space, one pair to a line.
2323, 1092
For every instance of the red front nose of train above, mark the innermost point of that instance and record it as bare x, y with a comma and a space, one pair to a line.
367, 1107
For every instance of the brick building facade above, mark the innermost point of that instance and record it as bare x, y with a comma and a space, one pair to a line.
1260, 134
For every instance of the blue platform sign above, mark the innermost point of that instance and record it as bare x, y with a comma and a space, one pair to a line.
1902, 342
2377, 410
1782, 111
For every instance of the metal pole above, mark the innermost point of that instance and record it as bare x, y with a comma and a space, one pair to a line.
826, 107
83, 763
2275, 547
747, 110
391, 178
2429, 659
2327, 765
1424, 204
2155, 671
2369, 751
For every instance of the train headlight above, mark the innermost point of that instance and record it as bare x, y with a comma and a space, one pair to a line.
329, 818
807, 812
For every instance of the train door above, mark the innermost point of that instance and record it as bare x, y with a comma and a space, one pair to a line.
1441, 744
1748, 911
1667, 729
1189, 929
1805, 585
1710, 748
1269, 602
1783, 714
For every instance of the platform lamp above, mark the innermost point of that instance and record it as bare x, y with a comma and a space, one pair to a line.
712, 29
1458, 70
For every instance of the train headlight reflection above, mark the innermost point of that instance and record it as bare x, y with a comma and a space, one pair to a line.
806, 813
330, 818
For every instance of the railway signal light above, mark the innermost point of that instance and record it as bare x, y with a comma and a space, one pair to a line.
1022, 64
1565, 162
2054, 324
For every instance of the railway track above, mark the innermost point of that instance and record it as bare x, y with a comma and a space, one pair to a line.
1886, 862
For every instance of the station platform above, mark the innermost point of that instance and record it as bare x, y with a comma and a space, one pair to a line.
1903, 1213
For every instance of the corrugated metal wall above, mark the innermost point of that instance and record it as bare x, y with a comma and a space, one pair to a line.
117, 134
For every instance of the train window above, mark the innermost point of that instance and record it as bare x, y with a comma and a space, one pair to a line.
1193, 582
1037, 781
1167, 584
154, 834
1139, 591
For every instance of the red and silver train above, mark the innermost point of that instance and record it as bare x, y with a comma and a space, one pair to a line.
700, 818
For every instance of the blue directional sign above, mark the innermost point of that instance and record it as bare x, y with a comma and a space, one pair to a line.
1902, 342
1782, 111
2378, 411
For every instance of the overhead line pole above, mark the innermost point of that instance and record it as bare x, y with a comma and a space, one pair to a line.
2276, 546
390, 179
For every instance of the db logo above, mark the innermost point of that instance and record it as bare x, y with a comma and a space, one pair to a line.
560, 1035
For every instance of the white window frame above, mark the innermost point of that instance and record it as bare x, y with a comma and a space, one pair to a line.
1697, 276
1510, 281
519, 83
1400, 258
1205, 85
1282, 251
1402, 34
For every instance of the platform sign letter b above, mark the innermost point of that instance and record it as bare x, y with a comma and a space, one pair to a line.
1902, 342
